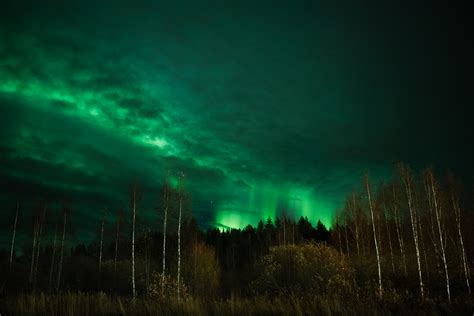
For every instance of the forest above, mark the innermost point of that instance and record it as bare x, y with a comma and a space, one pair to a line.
401, 246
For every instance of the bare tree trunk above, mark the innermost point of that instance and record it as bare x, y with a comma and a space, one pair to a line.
435, 196
51, 268
134, 205
165, 220
61, 252
408, 182
423, 247
116, 243
179, 234
101, 246
375, 235
433, 233
389, 239
13, 237
39, 244
457, 215
398, 226
33, 251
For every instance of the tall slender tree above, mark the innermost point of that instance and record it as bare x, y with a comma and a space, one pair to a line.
398, 228
38, 245
181, 193
457, 215
61, 250
166, 200
101, 243
434, 195
53, 254
384, 213
13, 236
33, 250
134, 216
408, 182
371, 208
117, 237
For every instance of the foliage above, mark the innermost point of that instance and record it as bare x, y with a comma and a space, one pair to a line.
307, 269
170, 289
201, 271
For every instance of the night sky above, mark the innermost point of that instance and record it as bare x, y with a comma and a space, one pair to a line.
266, 106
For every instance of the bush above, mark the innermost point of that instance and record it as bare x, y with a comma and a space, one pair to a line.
201, 271
311, 269
166, 287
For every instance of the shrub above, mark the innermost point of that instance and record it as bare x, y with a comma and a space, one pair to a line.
170, 289
201, 271
308, 269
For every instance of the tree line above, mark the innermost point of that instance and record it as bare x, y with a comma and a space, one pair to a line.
413, 229
409, 235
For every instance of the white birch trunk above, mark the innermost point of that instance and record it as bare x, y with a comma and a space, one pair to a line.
442, 240
165, 220
101, 246
398, 227
179, 235
375, 235
423, 247
33, 251
389, 240
134, 204
408, 182
39, 244
457, 215
51, 268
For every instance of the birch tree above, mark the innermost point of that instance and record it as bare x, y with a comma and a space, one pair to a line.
181, 192
61, 251
433, 195
166, 198
13, 236
399, 230
35, 235
407, 180
134, 215
38, 245
51, 268
37, 223
371, 208
147, 240
385, 214
457, 215
117, 236
102, 224
355, 213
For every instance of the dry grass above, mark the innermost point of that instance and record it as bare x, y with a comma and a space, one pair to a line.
84, 304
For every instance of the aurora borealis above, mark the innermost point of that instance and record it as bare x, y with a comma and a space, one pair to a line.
266, 106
